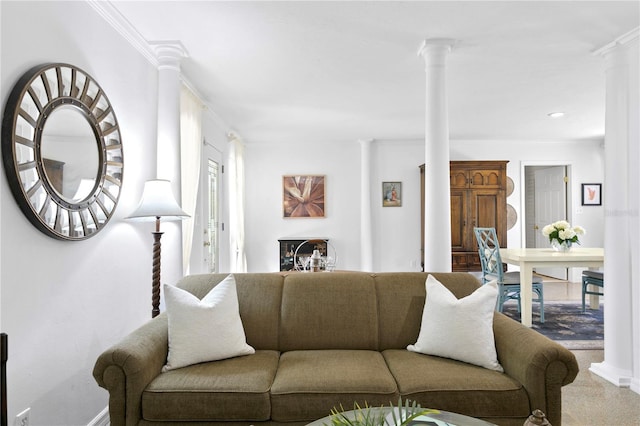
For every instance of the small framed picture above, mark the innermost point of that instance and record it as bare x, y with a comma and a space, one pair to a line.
591, 194
391, 194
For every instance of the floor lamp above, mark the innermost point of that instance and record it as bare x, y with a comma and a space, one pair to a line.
157, 202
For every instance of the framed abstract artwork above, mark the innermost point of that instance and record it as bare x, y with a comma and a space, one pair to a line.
303, 196
391, 194
591, 194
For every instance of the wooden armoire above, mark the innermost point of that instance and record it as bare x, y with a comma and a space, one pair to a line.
478, 199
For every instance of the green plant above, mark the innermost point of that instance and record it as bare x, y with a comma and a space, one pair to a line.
399, 415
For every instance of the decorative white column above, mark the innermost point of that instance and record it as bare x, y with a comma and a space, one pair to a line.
366, 245
437, 218
169, 54
622, 230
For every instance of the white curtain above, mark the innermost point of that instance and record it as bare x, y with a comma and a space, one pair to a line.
190, 153
236, 204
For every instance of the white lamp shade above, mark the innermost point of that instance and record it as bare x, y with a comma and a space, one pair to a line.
158, 201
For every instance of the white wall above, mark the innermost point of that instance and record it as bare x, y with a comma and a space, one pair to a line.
396, 230
63, 303
265, 164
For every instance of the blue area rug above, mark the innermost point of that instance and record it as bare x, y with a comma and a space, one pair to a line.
565, 323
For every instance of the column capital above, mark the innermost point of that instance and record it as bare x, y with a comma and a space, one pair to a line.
435, 50
169, 53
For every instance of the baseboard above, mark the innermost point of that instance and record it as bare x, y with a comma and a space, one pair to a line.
102, 419
618, 377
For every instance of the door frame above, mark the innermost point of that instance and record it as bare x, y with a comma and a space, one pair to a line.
197, 261
523, 211
570, 202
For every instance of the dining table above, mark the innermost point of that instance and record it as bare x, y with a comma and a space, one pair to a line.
529, 258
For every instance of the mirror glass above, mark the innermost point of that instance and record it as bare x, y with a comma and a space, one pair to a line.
70, 154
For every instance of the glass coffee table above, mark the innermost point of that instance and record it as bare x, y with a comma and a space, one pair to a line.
431, 418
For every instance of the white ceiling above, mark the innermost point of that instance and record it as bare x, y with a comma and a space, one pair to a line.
339, 71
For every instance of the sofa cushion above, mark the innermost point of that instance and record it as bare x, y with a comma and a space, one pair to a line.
401, 302
204, 330
228, 390
259, 297
329, 311
460, 329
309, 384
456, 386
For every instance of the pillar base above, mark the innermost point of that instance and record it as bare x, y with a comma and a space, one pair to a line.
618, 377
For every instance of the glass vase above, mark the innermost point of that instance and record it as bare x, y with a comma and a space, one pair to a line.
561, 246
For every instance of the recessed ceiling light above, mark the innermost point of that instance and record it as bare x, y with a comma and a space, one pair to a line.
556, 114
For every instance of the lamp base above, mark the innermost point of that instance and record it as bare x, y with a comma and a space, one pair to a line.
155, 282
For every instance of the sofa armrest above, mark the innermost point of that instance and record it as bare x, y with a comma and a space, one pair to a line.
129, 366
540, 364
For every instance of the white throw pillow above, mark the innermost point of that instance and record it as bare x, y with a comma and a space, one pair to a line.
204, 330
460, 329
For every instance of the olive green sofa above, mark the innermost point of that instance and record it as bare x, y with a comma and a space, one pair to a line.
328, 339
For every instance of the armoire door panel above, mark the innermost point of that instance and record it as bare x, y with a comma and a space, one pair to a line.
458, 219
459, 262
486, 179
459, 179
484, 209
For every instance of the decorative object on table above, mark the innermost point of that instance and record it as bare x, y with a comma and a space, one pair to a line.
399, 415
537, 418
303, 196
157, 202
391, 194
562, 235
288, 246
591, 194
62, 151
320, 259
315, 261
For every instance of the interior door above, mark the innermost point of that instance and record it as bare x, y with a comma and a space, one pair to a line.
550, 206
210, 196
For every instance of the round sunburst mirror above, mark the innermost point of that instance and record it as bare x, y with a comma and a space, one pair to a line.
62, 151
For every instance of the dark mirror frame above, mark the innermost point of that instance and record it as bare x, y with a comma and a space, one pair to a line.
45, 88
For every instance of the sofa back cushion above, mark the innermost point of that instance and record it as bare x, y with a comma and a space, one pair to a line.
336, 310
259, 297
401, 298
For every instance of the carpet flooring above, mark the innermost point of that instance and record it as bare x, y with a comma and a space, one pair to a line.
566, 324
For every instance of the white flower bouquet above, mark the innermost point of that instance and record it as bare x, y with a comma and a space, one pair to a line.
562, 234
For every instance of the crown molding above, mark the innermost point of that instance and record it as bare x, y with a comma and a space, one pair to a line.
124, 28
624, 39
114, 18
